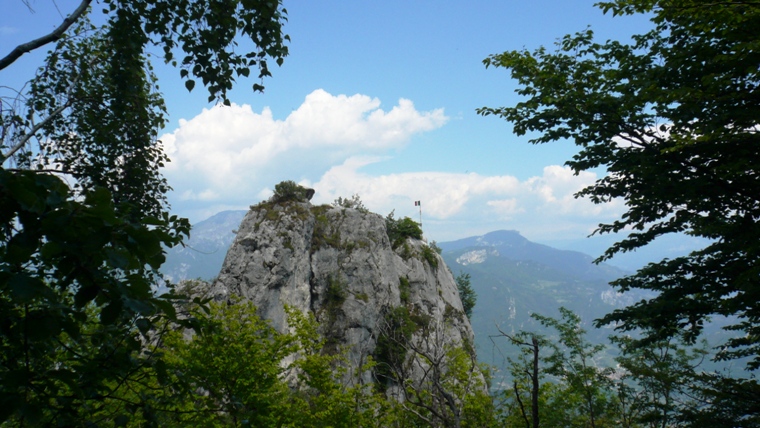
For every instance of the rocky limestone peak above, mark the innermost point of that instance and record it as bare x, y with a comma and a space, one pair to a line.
339, 264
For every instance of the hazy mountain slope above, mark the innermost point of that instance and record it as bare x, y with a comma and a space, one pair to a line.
514, 277
204, 252
511, 245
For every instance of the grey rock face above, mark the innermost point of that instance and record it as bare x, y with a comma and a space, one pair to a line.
338, 264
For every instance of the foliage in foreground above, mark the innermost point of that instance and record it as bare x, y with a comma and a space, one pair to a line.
431, 382
231, 373
237, 370
561, 380
79, 258
673, 120
75, 311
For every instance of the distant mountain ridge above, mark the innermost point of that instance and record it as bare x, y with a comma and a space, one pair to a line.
204, 252
511, 245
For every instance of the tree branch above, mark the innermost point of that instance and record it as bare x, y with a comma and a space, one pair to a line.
53, 36
37, 127
520, 403
31, 133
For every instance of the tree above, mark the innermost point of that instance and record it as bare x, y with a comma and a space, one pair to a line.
436, 383
525, 367
79, 260
324, 395
673, 118
235, 359
578, 368
94, 108
561, 380
466, 293
235, 369
76, 298
570, 360
658, 382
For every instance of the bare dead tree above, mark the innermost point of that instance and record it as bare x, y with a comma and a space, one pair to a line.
427, 385
534, 347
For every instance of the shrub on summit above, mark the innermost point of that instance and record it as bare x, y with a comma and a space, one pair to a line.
288, 190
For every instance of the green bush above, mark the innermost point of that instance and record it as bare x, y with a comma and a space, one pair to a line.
401, 229
404, 289
325, 233
288, 190
336, 293
390, 351
406, 251
398, 327
430, 255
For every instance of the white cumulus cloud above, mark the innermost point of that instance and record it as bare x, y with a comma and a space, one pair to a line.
456, 205
231, 155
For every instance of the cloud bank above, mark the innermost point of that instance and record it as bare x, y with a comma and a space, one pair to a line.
457, 205
232, 154
230, 157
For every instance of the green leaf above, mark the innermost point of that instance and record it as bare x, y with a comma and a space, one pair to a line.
139, 307
21, 247
91, 255
85, 294
118, 258
111, 312
26, 289
121, 420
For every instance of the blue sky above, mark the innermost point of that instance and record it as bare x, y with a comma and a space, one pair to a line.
378, 98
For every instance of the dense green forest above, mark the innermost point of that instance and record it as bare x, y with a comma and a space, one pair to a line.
84, 226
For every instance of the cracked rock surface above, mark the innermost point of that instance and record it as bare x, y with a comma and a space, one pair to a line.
338, 264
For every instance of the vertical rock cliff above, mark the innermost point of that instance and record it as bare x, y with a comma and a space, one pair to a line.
369, 297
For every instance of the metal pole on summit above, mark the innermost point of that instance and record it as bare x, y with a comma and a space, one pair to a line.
419, 204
